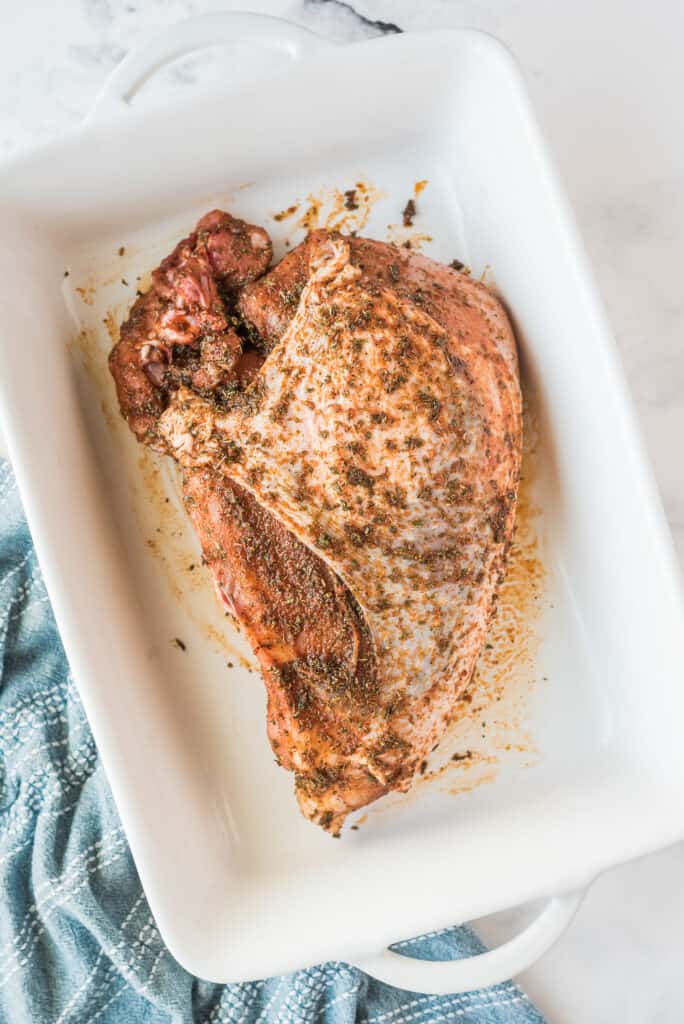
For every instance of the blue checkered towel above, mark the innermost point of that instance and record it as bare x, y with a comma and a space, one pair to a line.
77, 940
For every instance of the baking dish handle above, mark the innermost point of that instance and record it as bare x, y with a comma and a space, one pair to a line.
484, 969
198, 33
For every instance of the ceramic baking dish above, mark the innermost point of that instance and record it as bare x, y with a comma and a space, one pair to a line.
241, 886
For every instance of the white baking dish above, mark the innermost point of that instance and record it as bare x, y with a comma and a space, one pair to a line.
241, 886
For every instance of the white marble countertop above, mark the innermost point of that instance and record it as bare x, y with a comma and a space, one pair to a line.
606, 80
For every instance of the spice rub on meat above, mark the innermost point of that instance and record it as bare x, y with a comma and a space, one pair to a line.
181, 330
349, 427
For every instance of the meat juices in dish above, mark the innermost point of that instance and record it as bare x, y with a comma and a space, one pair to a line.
350, 432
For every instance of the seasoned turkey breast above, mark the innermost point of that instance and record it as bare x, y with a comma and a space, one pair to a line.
351, 468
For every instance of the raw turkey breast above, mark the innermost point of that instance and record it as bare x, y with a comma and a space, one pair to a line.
351, 467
